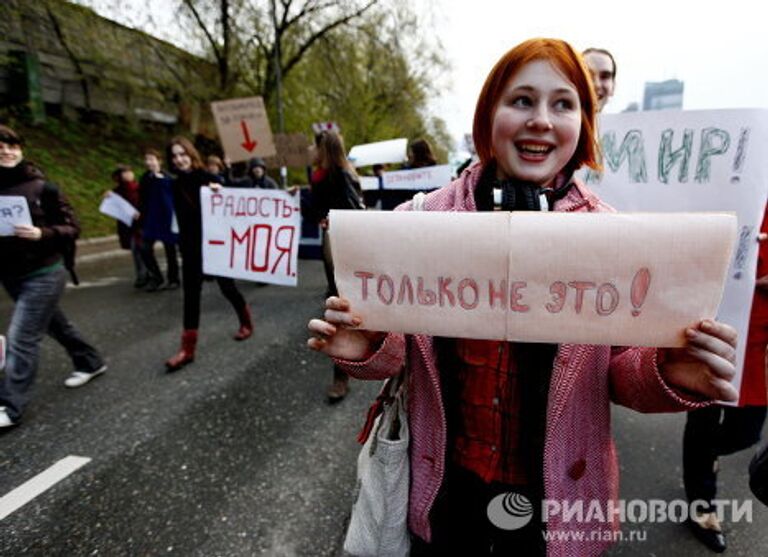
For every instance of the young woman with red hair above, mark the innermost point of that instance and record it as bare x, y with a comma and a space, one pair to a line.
490, 417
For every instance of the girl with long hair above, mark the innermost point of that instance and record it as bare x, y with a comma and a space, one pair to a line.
191, 175
335, 185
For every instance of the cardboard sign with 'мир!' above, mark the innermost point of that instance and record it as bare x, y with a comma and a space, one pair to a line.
615, 279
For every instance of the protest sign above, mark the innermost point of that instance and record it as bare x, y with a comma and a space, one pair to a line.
115, 206
427, 178
292, 150
596, 278
319, 127
369, 183
704, 160
13, 210
251, 234
381, 152
243, 128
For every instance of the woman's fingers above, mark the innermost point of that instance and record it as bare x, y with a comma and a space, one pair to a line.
719, 366
321, 328
708, 343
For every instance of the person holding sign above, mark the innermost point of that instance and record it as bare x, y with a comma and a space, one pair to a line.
489, 418
335, 185
719, 430
191, 175
33, 273
130, 235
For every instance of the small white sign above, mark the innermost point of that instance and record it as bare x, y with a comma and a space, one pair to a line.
115, 206
368, 183
382, 152
427, 178
13, 210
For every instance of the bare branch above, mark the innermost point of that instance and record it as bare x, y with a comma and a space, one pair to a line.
201, 24
296, 58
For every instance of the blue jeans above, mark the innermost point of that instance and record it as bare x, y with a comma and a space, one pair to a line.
36, 313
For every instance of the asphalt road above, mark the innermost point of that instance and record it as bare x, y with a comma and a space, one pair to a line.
238, 454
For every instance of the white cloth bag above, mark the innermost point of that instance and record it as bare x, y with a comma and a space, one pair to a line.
379, 523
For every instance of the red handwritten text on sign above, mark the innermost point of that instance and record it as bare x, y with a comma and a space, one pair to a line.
251, 234
469, 293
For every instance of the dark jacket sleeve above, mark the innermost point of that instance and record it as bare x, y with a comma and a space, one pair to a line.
60, 219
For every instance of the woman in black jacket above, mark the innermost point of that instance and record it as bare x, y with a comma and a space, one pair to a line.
33, 273
335, 185
185, 161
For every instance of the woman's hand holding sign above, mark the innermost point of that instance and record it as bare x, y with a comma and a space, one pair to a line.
706, 366
334, 337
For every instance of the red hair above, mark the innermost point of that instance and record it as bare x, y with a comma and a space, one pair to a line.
563, 57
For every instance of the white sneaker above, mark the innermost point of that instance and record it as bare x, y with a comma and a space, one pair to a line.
5, 419
80, 378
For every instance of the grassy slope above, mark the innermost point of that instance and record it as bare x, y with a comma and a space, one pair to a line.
80, 158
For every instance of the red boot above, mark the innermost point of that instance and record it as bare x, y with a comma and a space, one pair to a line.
186, 354
246, 324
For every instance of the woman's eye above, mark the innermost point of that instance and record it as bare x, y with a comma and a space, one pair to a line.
564, 104
521, 101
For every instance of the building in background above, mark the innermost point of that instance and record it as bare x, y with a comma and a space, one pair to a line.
663, 95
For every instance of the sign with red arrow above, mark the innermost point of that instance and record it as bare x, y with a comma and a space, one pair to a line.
243, 128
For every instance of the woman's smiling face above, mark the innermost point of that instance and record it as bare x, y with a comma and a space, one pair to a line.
536, 125
181, 159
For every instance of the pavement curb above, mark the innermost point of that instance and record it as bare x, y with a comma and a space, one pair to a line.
96, 249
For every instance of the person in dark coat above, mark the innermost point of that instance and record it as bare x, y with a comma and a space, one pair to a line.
33, 273
335, 185
156, 207
130, 236
257, 171
185, 161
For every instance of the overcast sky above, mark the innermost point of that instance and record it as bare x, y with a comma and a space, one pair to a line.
718, 49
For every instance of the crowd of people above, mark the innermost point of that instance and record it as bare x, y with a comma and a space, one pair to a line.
481, 416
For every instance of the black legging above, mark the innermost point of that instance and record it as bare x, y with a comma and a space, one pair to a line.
193, 285
712, 432
148, 254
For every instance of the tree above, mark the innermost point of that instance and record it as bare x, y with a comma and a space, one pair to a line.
372, 81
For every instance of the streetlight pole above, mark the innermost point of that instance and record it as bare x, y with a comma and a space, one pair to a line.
279, 87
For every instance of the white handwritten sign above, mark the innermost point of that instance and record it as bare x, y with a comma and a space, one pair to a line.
251, 234
427, 178
599, 278
116, 206
705, 160
13, 210
381, 152
243, 128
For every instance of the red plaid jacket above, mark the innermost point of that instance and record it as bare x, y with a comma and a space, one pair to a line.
579, 456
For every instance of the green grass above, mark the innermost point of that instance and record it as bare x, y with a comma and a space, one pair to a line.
80, 157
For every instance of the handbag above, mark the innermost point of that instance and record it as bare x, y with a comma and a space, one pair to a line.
378, 526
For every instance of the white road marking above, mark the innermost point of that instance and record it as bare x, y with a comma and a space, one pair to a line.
45, 480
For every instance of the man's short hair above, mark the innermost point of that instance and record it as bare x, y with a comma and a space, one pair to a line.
602, 51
